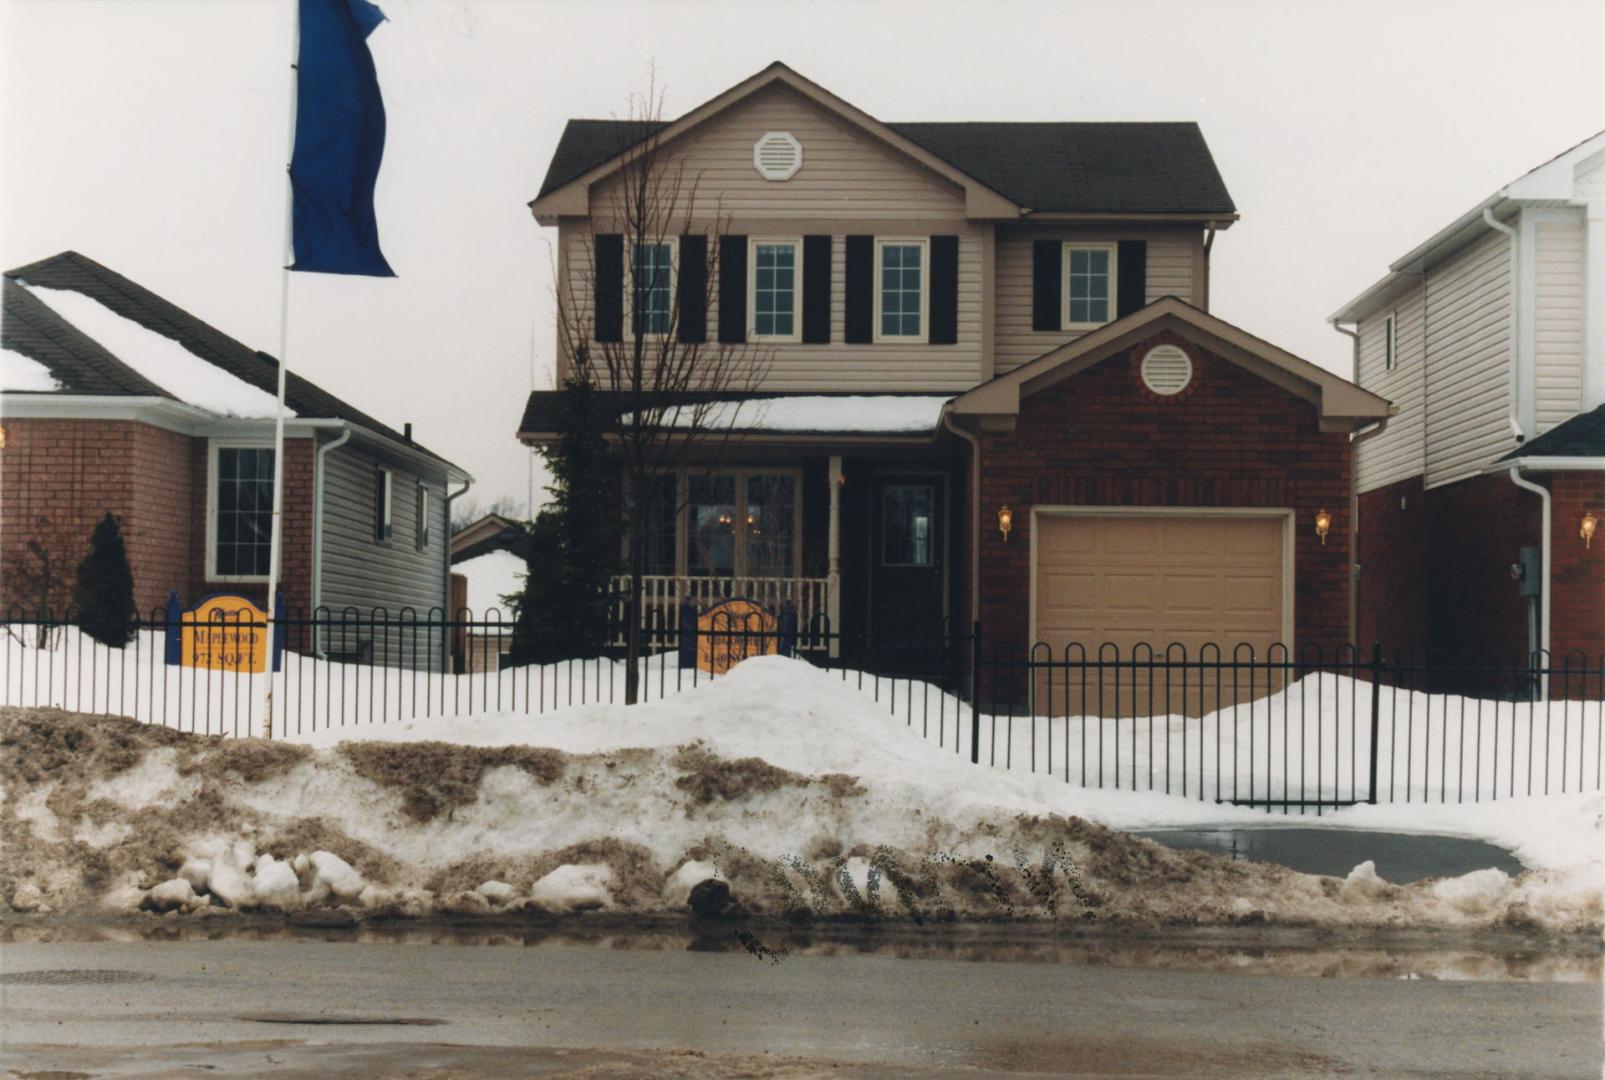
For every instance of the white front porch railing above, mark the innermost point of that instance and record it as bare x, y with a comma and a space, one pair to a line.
661, 595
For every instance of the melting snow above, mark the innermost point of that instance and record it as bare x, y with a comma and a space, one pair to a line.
880, 413
19, 372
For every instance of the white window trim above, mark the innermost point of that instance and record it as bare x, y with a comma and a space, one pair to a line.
629, 285
924, 244
795, 337
389, 521
212, 447
682, 526
1114, 281
420, 527
1390, 341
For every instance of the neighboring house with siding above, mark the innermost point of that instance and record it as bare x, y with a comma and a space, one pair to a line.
967, 324
116, 400
1490, 339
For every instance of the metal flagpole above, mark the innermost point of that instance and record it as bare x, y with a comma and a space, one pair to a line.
283, 359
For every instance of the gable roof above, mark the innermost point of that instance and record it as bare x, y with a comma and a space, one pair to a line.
489, 533
1070, 168
84, 367
1342, 405
1550, 183
1583, 436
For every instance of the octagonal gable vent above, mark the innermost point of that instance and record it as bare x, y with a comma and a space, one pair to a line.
777, 155
1166, 370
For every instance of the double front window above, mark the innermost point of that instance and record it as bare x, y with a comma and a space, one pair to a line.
651, 287
900, 290
739, 523
775, 296
241, 546
1089, 275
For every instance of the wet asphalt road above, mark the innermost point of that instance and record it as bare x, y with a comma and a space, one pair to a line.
322, 1008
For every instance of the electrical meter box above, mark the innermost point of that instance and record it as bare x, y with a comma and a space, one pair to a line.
1532, 572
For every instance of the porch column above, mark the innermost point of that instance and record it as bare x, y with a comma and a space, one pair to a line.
833, 577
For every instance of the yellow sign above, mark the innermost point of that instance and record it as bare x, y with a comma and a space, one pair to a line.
729, 632
226, 633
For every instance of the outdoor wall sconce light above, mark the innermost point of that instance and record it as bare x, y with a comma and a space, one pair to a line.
1323, 525
1005, 521
1586, 530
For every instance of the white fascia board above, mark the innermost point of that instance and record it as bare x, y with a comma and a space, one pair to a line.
1553, 463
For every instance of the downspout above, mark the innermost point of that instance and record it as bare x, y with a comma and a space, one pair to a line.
445, 604
1209, 242
975, 511
1543, 570
1356, 567
1514, 395
317, 531
1354, 351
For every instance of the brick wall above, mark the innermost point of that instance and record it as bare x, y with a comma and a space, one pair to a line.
59, 477
1100, 438
1577, 576
1391, 590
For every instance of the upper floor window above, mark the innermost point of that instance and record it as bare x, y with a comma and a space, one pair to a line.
241, 524
776, 299
1089, 275
651, 287
421, 532
1389, 343
900, 308
383, 524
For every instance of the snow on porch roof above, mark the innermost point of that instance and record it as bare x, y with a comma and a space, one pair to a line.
787, 414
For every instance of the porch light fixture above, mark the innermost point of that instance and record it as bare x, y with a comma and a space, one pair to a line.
1586, 530
1323, 525
1005, 521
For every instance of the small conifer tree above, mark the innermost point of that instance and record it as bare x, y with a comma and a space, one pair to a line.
104, 591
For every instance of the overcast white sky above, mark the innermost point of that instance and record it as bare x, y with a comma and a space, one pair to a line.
151, 135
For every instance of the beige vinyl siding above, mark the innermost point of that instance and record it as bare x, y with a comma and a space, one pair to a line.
848, 184
364, 574
1173, 262
1399, 452
1558, 312
1468, 350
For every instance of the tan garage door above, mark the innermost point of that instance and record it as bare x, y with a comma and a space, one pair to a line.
1158, 579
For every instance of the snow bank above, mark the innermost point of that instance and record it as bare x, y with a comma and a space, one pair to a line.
859, 413
161, 359
795, 789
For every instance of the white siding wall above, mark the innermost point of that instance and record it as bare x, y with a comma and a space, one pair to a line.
1399, 452
1558, 348
1174, 257
1468, 353
849, 183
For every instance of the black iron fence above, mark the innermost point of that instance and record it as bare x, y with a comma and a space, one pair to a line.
1300, 731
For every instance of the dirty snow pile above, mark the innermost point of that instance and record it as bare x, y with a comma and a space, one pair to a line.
776, 790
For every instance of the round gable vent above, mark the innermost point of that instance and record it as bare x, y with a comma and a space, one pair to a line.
777, 156
1166, 370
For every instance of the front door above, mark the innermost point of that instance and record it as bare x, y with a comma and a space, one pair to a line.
907, 556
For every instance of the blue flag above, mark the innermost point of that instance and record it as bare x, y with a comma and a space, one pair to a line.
339, 141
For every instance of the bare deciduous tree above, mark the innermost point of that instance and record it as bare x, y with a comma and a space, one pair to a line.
671, 388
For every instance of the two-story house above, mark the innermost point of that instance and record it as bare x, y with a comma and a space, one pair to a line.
1475, 508
995, 390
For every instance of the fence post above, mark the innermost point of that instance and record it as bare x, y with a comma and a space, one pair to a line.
975, 693
1376, 713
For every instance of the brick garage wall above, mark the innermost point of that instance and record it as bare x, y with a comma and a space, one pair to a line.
295, 567
1577, 575
1391, 592
1100, 438
59, 477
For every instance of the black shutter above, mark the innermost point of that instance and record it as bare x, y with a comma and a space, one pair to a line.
732, 289
1047, 283
693, 295
609, 299
944, 324
859, 324
1131, 293
816, 255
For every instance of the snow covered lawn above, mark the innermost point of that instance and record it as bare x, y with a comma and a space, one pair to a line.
800, 792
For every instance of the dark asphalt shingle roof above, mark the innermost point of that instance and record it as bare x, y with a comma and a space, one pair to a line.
82, 366
1132, 168
1581, 436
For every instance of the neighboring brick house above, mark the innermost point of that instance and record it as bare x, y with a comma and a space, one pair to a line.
1490, 337
969, 324
115, 400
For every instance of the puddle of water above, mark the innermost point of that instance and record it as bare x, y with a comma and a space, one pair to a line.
1399, 858
1480, 956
